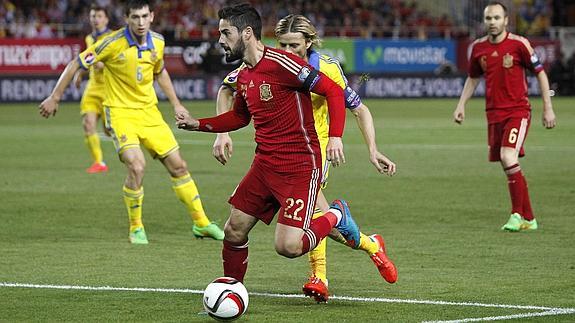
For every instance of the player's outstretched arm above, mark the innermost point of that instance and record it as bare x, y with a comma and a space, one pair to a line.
223, 145
237, 118
49, 106
548, 119
468, 89
365, 122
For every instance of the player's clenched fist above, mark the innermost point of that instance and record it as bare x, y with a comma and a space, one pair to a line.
184, 121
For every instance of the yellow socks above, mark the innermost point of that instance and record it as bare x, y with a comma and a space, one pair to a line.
187, 192
93, 143
133, 200
366, 244
317, 257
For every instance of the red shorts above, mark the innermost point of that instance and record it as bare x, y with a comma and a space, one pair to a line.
264, 191
508, 133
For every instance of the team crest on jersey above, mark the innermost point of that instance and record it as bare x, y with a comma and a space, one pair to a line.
89, 58
266, 92
153, 55
507, 61
123, 138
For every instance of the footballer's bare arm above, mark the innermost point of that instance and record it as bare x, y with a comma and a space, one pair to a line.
49, 106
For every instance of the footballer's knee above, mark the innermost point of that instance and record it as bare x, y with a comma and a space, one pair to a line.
289, 250
234, 233
508, 157
181, 168
89, 124
509, 164
176, 165
136, 167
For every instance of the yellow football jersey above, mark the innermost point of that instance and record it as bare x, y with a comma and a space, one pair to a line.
331, 68
96, 81
129, 68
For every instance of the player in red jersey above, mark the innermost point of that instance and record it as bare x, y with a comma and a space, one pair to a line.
502, 58
285, 175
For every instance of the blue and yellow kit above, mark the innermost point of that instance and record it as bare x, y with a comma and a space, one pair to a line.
130, 103
93, 97
129, 68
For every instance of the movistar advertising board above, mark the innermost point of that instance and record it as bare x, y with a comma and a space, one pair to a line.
401, 56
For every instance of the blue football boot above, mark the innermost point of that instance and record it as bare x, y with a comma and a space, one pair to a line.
347, 226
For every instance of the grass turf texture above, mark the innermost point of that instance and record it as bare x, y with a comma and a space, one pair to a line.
440, 216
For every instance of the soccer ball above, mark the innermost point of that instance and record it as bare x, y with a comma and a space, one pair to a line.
225, 298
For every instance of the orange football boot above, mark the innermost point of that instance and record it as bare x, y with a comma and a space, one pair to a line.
317, 289
385, 266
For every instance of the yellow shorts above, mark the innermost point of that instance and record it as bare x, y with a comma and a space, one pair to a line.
131, 127
92, 101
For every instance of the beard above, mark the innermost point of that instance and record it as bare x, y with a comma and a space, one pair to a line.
237, 52
495, 33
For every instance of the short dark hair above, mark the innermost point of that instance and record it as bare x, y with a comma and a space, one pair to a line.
498, 3
241, 16
137, 4
97, 7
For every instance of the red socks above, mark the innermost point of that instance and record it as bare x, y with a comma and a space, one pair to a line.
235, 260
520, 202
318, 229
527, 211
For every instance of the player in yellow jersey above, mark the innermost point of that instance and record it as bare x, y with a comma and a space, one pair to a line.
297, 35
133, 58
91, 106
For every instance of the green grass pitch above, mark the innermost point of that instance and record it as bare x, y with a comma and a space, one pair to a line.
440, 216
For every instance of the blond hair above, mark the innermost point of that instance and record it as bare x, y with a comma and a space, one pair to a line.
298, 24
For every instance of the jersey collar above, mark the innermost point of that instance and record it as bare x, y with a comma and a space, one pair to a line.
97, 34
132, 42
313, 59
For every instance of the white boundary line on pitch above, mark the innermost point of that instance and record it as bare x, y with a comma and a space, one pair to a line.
546, 311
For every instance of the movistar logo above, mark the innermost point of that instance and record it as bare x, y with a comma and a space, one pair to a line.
405, 55
372, 55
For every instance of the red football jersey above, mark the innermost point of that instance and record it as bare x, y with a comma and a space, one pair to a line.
504, 66
275, 94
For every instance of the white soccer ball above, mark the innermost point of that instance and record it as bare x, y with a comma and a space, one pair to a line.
225, 298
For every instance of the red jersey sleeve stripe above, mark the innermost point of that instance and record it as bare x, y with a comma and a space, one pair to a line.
287, 58
285, 61
282, 63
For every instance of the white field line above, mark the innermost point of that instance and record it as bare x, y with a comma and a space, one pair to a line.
545, 311
556, 311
